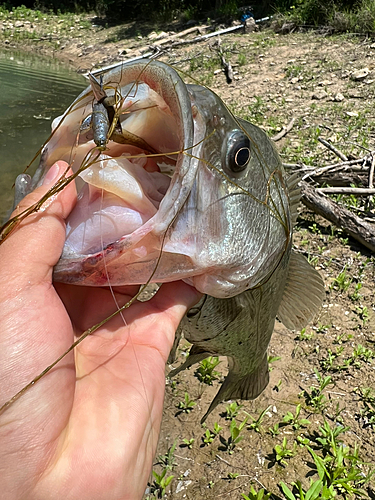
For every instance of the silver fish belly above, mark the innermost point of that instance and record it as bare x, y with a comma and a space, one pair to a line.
204, 190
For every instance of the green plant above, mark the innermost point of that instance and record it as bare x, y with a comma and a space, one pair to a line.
342, 282
356, 295
313, 493
160, 484
187, 405
272, 359
231, 410
362, 312
313, 396
328, 436
294, 420
167, 460
241, 59
188, 443
367, 396
256, 422
282, 452
235, 437
275, 430
206, 372
256, 495
304, 336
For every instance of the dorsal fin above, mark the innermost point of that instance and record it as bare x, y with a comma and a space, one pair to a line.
303, 293
294, 192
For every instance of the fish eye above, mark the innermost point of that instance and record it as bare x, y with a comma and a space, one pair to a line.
237, 151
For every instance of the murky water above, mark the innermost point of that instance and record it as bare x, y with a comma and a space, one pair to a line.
33, 91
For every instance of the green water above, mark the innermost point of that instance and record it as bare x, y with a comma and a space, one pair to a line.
33, 91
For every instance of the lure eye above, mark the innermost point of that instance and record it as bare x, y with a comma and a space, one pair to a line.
237, 151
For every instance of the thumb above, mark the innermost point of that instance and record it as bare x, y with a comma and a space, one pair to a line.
28, 255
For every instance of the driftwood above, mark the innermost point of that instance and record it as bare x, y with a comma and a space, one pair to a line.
353, 225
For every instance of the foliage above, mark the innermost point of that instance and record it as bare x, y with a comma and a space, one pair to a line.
206, 372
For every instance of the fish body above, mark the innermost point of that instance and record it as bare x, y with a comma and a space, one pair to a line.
211, 205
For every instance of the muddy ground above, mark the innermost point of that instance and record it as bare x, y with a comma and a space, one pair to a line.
310, 77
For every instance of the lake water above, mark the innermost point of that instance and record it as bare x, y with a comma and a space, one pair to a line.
33, 91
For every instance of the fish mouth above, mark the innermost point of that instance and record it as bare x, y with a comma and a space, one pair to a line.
130, 194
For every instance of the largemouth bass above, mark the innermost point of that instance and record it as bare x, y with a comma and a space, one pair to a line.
178, 188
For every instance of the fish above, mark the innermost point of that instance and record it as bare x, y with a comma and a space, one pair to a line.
180, 189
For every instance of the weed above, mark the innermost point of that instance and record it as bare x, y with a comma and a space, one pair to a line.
275, 430
282, 452
167, 460
313, 396
294, 420
367, 395
231, 411
257, 495
339, 473
241, 59
256, 423
206, 372
362, 312
232, 475
160, 483
208, 437
188, 443
235, 437
187, 405
342, 282
304, 336
356, 295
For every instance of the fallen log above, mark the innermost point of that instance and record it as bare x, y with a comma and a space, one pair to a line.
358, 229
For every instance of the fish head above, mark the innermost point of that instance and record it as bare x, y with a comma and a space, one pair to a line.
191, 193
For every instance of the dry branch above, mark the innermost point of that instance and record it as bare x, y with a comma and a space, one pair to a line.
358, 229
347, 190
333, 149
284, 131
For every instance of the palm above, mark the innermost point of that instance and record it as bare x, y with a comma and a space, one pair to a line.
89, 428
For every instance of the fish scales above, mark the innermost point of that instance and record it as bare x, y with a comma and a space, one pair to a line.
212, 205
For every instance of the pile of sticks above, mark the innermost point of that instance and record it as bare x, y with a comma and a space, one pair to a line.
358, 222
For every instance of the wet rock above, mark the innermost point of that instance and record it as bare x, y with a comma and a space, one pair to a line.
319, 94
360, 74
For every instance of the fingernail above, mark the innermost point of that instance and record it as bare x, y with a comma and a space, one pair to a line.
51, 175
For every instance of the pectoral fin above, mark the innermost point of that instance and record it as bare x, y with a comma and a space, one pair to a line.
303, 293
195, 355
237, 386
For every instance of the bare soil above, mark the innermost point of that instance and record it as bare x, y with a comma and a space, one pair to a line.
277, 77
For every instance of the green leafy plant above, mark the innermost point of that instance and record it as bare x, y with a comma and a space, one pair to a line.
231, 410
206, 372
294, 420
342, 282
187, 405
314, 396
282, 452
188, 443
167, 460
256, 495
160, 484
256, 424
235, 437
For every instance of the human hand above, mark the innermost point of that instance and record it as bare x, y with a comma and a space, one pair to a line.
89, 428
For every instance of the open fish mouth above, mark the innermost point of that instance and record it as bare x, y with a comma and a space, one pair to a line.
133, 190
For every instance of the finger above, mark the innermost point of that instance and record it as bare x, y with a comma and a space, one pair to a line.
28, 255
